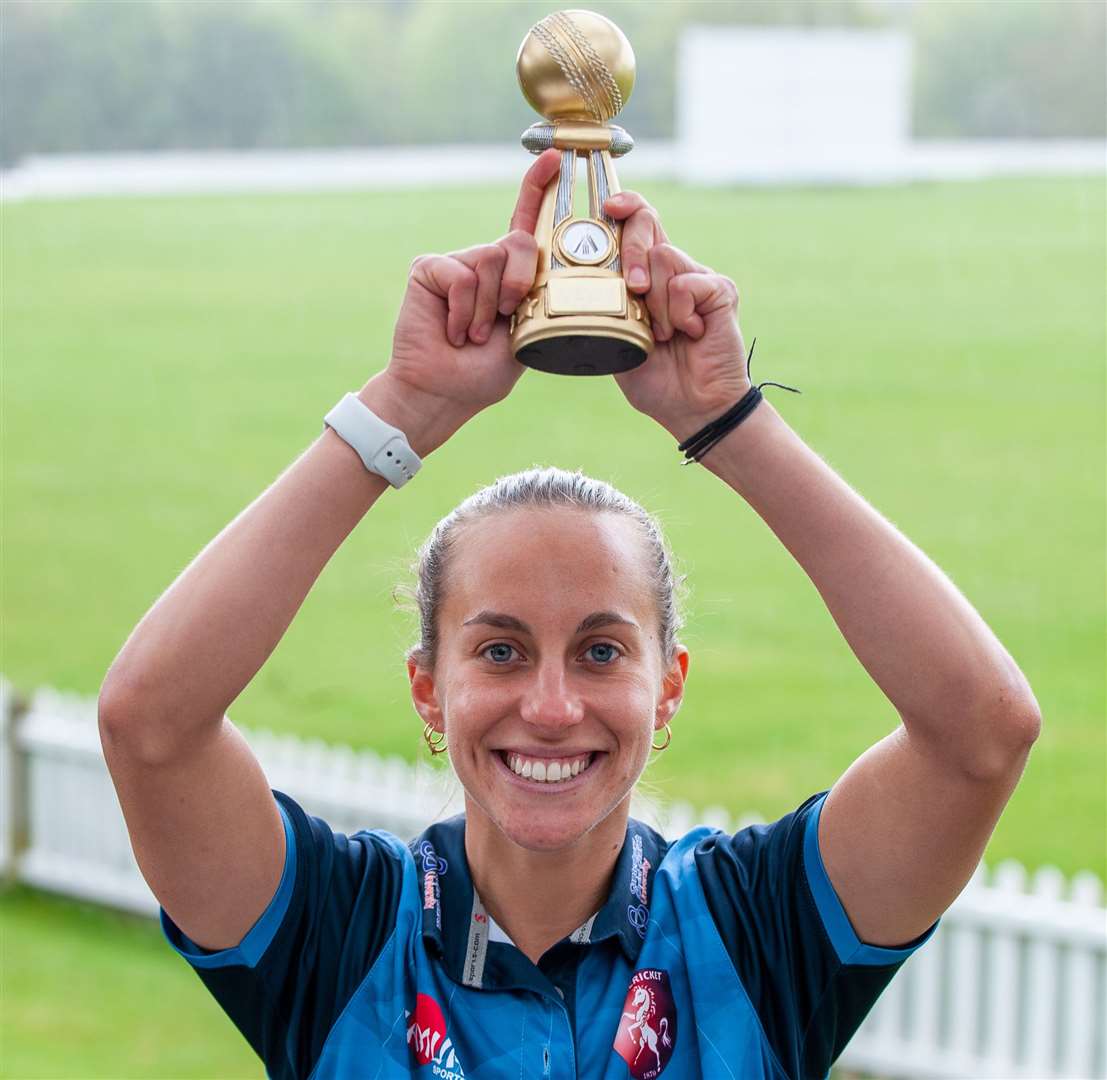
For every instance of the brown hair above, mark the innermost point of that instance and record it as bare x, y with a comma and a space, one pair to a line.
539, 488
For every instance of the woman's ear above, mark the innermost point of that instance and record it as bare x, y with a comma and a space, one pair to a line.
424, 696
672, 687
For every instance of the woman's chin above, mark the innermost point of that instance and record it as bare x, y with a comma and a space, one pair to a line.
543, 828
538, 835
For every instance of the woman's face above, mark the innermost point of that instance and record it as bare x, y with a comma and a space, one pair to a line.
549, 681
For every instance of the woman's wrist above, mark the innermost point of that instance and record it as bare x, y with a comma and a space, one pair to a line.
684, 422
425, 419
737, 452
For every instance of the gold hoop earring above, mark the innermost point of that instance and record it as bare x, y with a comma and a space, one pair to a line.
436, 747
668, 738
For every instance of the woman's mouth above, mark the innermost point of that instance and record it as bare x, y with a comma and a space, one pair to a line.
547, 773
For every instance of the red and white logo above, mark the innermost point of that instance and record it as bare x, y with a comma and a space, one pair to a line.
426, 1035
647, 1029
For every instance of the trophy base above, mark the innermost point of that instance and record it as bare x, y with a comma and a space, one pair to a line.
581, 354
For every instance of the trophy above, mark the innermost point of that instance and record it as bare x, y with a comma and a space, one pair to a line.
576, 68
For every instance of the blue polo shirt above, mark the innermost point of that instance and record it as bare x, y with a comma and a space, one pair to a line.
713, 956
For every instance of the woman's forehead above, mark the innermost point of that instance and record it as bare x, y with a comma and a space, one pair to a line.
559, 555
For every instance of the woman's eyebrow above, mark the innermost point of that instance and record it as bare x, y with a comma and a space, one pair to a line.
605, 618
589, 622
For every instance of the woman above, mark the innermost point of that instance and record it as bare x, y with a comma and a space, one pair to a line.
544, 933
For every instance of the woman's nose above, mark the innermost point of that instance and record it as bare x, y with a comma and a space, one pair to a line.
550, 701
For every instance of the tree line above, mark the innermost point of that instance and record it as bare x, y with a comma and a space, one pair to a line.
98, 75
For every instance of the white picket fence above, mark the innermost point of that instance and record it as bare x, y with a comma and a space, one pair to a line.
1013, 986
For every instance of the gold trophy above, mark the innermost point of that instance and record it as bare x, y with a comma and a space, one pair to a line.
577, 69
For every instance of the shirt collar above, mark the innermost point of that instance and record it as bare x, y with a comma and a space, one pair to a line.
626, 912
445, 885
455, 920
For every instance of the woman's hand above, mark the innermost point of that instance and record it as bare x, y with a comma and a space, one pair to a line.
451, 354
697, 369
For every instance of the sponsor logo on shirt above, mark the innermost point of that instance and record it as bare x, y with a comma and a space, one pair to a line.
639, 871
433, 868
638, 912
426, 1035
647, 1029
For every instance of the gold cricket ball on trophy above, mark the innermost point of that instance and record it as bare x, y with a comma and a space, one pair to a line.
576, 65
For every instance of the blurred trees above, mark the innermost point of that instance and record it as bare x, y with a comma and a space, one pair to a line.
86, 75
1011, 68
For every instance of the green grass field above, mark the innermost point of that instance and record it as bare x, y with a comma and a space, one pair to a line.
95, 993
165, 359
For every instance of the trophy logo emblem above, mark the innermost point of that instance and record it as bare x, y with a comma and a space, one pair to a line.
577, 68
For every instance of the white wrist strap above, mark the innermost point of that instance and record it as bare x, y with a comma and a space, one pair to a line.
382, 448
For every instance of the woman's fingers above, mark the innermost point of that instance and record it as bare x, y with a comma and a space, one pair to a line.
519, 269
642, 229
490, 279
665, 263
505, 274
682, 307
461, 299
451, 280
695, 295
488, 261
657, 299
533, 188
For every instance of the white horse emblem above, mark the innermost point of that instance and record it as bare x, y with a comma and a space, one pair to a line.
641, 1008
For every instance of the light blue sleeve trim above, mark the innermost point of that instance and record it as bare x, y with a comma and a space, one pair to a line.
849, 947
252, 947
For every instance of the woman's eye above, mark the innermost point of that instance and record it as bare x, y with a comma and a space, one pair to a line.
499, 653
602, 652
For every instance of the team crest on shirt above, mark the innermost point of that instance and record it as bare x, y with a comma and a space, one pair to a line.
426, 1035
647, 1029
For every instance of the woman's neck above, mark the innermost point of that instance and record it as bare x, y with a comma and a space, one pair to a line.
540, 897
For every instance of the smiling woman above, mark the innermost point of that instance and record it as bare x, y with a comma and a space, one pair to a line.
545, 932
548, 658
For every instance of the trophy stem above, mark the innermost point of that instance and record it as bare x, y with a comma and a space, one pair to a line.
563, 208
602, 184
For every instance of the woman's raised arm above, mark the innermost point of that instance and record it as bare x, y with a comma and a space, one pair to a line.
204, 826
203, 641
904, 828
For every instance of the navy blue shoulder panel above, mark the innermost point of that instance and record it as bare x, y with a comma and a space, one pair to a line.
287, 982
808, 976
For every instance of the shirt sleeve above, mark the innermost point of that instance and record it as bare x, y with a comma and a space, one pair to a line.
285, 984
808, 975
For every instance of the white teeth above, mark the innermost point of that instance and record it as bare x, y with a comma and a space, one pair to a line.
548, 772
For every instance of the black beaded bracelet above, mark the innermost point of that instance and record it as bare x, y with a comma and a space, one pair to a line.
695, 446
